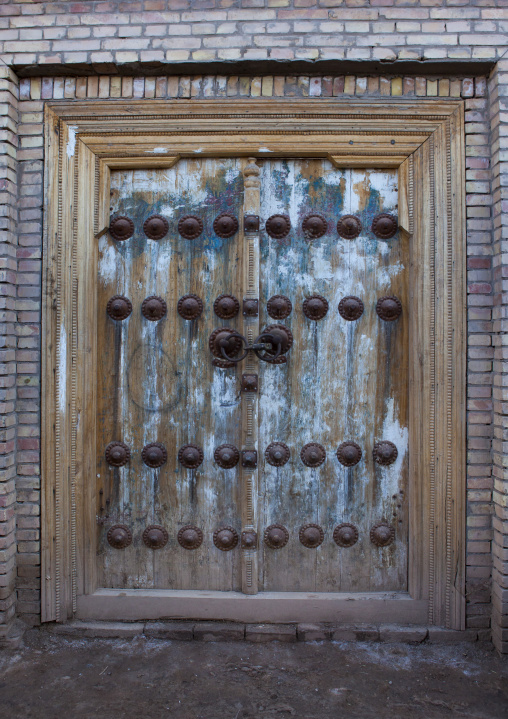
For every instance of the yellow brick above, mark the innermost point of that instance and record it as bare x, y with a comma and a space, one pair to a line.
35, 88
127, 87
444, 88
349, 85
431, 88
278, 86
396, 86
255, 87
232, 86
116, 86
384, 85
455, 87
267, 86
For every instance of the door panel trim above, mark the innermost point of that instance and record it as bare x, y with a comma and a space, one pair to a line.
423, 138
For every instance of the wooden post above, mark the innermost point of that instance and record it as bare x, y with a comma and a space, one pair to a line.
249, 477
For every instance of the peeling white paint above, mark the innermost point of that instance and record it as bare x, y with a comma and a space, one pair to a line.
71, 141
264, 149
158, 150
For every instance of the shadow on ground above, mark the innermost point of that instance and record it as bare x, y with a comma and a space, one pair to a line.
55, 677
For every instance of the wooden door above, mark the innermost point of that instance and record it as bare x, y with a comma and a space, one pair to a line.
274, 472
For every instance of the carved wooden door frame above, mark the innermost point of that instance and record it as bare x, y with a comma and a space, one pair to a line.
424, 139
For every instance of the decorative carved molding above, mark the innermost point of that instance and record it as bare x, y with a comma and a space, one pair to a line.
428, 148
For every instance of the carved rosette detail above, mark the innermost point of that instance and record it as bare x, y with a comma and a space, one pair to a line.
313, 454
385, 452
119, 307
190, 226
277, 454
314, 226
226, 307
345, 535
279, 307
389, 309
121, 228
156, 227
349, 227
349, 454
117, 454
311, 535
315, 307
384, 226
155, 537
154, 308
382, 534
225, 225
190, 456
351, 308
225, 538
190, 307
278, 226
227, 456
154, 454
119, 536
190, 537
276, 536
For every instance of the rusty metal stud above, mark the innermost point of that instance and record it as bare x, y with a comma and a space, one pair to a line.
154, 308
279, 307
233, 347
249, 458
389, 309
385, 452
225, 225
190, 456
249, 383
349, 454
190, 227
313, 454
251, 223
382, 534
225, 538
278, 226
121, 228
222, 364
189, 307
314, 226
315, 307
119, 307
156, 227
226, 456
345, 535
226, 306
119, 536
190, 537
350, 308
117, 454
154, 454
349, 227
155, 536
384, 226
277, 454
311, 535
282, 335
249, 539
251, 308
276, 536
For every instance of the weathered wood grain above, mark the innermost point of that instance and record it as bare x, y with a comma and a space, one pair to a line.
343, 380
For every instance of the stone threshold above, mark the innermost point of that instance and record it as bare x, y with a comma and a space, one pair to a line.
232, 631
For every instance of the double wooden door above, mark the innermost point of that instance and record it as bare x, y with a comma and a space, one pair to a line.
253, 384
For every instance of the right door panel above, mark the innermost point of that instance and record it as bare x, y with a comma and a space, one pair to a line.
344, 386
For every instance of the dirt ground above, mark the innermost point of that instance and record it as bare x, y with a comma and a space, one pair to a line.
55, 677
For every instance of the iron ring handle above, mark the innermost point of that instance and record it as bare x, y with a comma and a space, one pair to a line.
223, 342
257, 348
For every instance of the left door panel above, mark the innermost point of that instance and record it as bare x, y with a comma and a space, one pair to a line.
156, 382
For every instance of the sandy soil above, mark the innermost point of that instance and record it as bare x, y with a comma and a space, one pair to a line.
55, 677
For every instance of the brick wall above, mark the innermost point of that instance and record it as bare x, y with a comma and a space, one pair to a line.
131, 49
